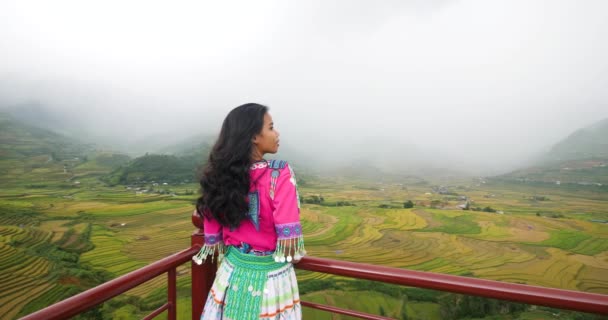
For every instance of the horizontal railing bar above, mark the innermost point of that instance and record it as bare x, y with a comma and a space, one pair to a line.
157, 311
351, 313
92, 297
557, 298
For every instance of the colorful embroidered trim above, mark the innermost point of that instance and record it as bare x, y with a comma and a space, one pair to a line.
259, 165
288, 230
290, 242
277, 164
212, 238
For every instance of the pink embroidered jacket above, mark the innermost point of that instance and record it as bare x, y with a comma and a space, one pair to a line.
273, 222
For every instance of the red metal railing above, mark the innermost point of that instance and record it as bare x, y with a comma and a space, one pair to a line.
92, 297
203, 275
557, 298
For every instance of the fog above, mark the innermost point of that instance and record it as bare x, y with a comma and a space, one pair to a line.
480, 86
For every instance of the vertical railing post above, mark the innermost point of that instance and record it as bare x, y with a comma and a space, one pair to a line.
171, 294
202, 275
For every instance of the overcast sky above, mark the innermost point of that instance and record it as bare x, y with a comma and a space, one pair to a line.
469, 78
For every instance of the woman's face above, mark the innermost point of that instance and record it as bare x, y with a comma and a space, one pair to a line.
267, 141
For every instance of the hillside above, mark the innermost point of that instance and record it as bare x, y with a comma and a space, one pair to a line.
178, 163
18, 140
155, 168
581, 158
33, 157
586, 143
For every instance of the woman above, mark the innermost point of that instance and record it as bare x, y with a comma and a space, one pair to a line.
251, 217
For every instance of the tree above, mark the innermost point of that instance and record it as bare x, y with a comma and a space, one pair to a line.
408, 204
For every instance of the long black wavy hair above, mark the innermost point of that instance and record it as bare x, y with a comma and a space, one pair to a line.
225, 178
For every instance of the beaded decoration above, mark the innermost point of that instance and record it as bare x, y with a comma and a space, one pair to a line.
213, 244
247, 287
289, 241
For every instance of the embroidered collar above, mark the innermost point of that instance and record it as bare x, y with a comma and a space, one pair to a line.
259, 165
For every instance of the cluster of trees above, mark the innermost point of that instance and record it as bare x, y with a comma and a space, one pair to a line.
314, 199
540, 198
550, 215
318, 199
344, 204
167, 168
457, 306
486, 209
408, 204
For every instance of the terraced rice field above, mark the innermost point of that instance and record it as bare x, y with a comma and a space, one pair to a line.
24, 275
126, 231
459, 242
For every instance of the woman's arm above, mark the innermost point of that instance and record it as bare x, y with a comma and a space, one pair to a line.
290, 241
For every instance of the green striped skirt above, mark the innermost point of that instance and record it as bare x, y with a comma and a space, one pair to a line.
247, 287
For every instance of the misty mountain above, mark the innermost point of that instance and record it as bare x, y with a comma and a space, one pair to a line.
19, 139
66, 123
37, 115
177, 163
362, 156
196, 145
586, 143
580, 158
134, 137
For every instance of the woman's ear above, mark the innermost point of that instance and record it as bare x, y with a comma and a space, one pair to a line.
254, 140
